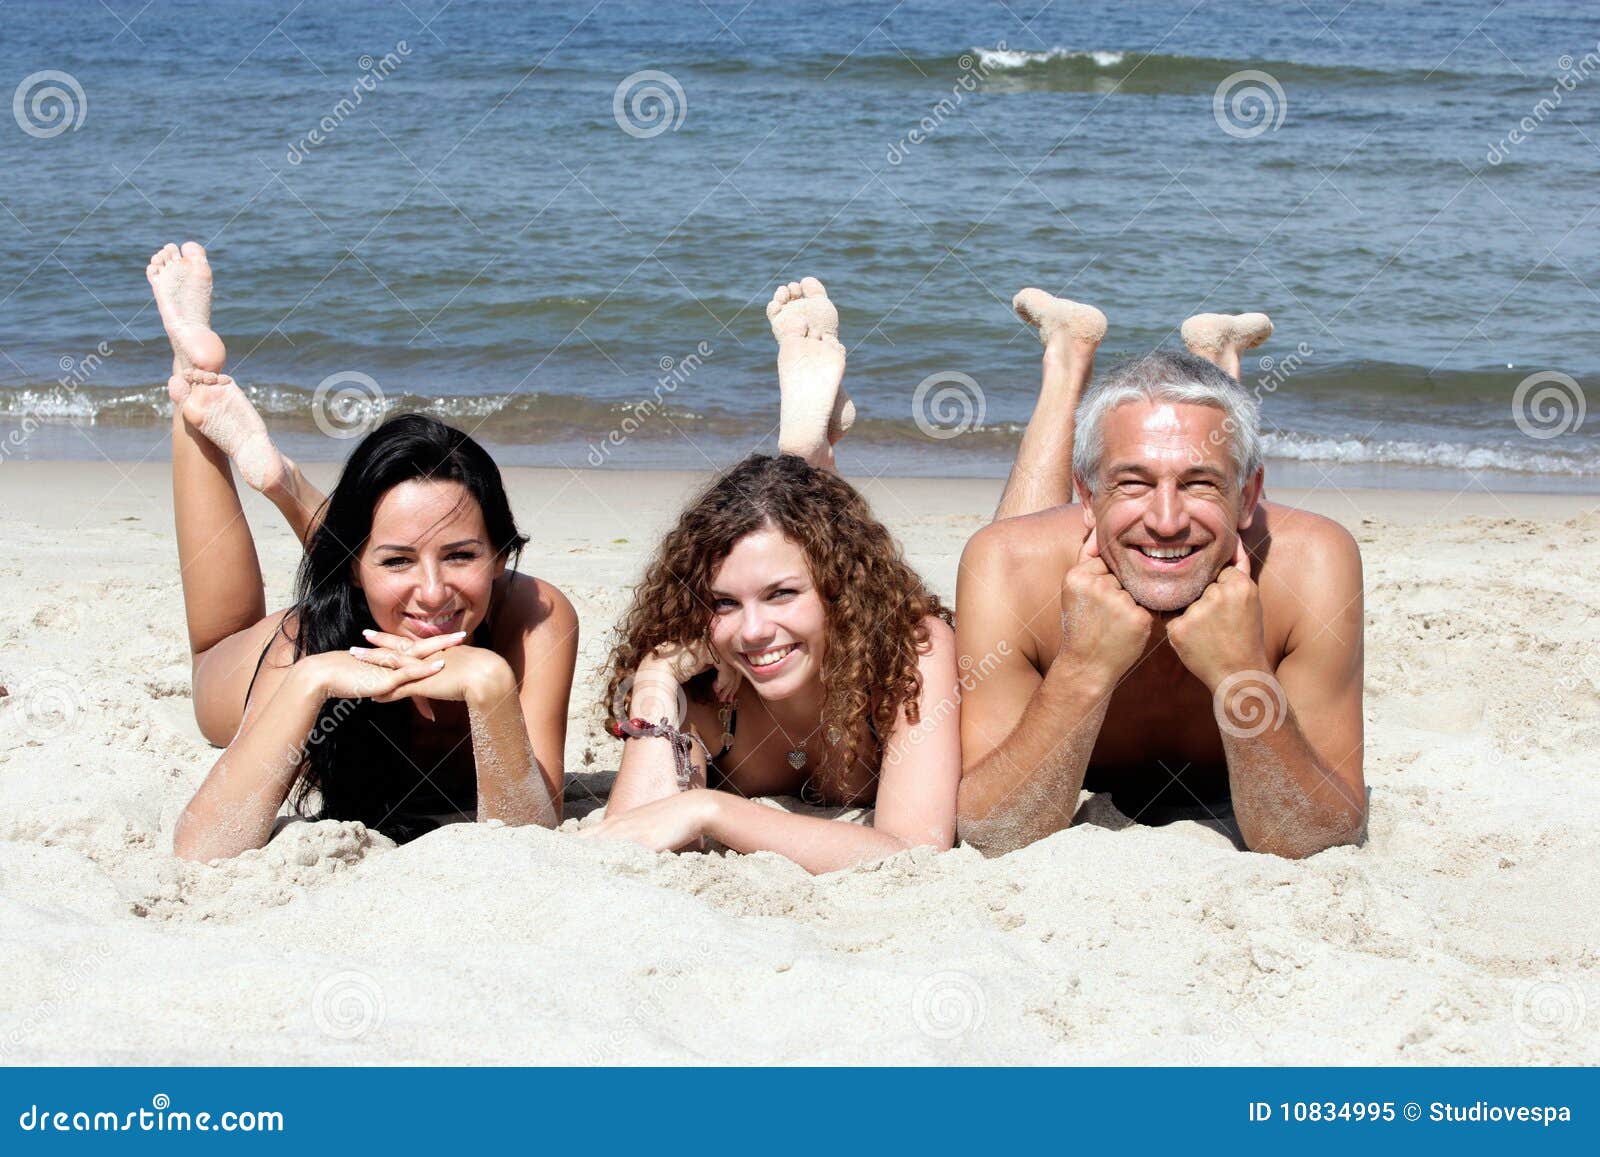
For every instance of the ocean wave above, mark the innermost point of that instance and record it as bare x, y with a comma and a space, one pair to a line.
512, 418
1064, 69
1444, 455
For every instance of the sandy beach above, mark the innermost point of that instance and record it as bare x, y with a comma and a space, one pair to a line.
1464, 931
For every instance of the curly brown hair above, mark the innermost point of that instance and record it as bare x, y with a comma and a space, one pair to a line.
875, 603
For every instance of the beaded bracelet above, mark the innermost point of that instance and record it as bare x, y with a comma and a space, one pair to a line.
681, 741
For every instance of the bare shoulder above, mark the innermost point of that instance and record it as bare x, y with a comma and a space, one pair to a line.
1046, 539
1297, 538
534, 606
1307, 554
941, 638
1009, 586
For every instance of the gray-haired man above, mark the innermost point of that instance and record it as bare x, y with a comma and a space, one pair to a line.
1172, 639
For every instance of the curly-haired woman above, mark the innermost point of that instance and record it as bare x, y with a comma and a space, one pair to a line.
779, 644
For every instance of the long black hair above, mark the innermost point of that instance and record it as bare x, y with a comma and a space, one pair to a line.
358, 751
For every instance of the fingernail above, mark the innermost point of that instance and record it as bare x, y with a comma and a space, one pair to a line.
368, 632
439, 665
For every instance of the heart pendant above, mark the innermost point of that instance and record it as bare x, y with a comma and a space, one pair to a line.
797, 759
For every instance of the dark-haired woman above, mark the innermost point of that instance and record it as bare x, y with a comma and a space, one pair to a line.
779, 644
417, 677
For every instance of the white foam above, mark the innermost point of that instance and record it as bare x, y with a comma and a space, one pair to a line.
1004, 59
1450, 455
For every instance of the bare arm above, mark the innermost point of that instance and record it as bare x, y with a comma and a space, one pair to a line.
542, 662
1026, 738
1299, 788
512, 785
235, 808
1293, 737
655, 692
649, 771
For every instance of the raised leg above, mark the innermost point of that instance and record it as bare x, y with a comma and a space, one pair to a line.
1041, 477
1221, 338
223, 598
181, 280
814, 412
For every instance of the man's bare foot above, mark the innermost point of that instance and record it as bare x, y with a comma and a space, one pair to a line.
181, 280
815, 410
1062, 324
1221, 337
216, 406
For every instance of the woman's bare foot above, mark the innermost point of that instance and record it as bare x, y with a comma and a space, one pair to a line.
815, 411
181, 280
216, 406
1221, 337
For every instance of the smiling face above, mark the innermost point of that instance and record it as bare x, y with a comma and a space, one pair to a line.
1167, 505
767, 616
428, 567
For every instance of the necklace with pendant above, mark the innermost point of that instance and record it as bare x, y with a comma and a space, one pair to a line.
797, 755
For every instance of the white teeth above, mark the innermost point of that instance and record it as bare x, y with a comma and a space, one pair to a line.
1167, 552
767, 658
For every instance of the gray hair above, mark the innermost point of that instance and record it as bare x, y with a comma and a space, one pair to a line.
1167, 377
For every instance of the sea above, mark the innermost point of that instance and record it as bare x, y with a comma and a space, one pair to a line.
557, 224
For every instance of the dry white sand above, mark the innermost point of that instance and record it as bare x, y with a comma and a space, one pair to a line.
1464, 931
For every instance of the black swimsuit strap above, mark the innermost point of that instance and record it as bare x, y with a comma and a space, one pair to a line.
256, 674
